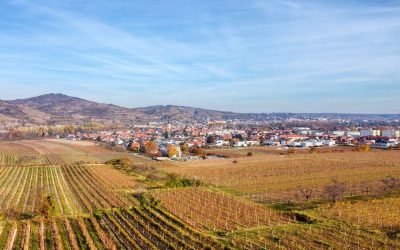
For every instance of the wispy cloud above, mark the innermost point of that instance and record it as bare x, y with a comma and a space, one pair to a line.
247, 56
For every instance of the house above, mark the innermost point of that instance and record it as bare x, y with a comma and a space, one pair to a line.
253, 143
370, 132
71, 137
240, 144
306, 144
338, 133
328, 143
383, 145
391, 133
353, 133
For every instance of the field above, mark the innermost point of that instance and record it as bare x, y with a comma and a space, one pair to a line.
212, 210
72, 201
275, 178
133, 228
57, 194
383, 214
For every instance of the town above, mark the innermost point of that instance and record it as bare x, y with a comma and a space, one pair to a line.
175, 141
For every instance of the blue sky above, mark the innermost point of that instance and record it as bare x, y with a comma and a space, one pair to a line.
246, 56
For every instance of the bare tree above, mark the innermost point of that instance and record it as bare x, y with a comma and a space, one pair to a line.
335, 190
306, 193
366, 187
390, 182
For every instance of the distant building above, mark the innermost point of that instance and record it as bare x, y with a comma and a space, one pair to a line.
391, 133
317, 133
328, 142
370, 132
338, 133
353, 133
383, 145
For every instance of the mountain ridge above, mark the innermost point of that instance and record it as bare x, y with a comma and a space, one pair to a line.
57, 108
61, 109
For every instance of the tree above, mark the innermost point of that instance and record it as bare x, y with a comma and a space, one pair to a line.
13, 133
366, 187
151, 148
196, 150
290, 151
335, 190
172, 151
45, 204
51, 131
184, 148
135, 147
210, 139
306, 193
69, 129
41, 132
390, 182
363, 148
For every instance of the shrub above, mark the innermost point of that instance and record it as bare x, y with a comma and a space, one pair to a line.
151, 148
303, 217
175, 181
363, 148
124, 161
335, 190
172, 151
184, 148
290, 151
196, 150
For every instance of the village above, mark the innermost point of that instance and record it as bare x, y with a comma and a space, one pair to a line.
177, 141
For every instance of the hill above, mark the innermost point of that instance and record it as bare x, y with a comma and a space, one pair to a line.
58, 108
62, 109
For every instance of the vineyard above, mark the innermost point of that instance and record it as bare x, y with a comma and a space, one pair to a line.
19, 154
207, 209
280, 178
381, 214
57, 195
323, 235
48, 203
134, 228
70, 190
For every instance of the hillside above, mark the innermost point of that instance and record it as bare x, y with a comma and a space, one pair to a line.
63, 109
59, 108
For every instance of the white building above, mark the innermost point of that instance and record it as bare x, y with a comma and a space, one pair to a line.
317, 143
306, 144
370, 132
220, 143
253, 143
328, 142
338, 133
318, 133
391, 133
353, 133
240, 144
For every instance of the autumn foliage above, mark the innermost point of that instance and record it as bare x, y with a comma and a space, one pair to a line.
151, 148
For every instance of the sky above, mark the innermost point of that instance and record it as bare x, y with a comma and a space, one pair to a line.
243, 56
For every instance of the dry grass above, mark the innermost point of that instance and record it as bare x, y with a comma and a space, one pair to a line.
376, 213
212, 210
270, 177
41, 152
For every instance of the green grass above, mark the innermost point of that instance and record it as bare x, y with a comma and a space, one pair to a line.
4, 234
93, 234
63, 234
79, 236
34, 240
